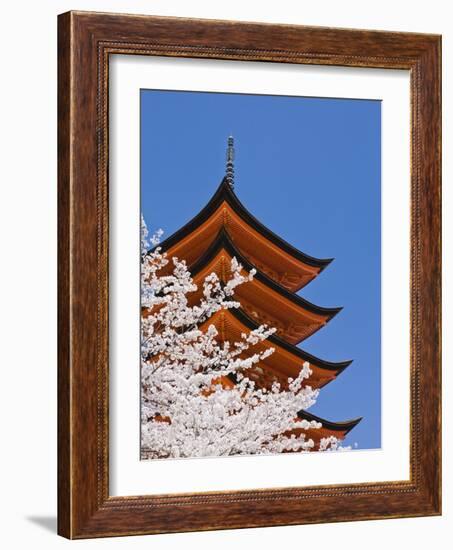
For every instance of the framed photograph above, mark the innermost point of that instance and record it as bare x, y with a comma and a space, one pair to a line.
249, 275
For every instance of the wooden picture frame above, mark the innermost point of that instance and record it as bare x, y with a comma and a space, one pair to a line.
85, 42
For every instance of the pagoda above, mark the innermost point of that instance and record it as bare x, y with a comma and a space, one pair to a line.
225, 229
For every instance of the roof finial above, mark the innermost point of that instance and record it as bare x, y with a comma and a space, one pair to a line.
230, 162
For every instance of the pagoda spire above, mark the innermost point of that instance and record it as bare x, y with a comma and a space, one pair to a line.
230, 162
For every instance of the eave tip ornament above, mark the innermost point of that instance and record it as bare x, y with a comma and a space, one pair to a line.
230, 162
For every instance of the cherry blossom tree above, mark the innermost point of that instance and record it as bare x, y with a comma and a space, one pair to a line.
187, 409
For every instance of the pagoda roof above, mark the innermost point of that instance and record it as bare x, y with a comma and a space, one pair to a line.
336, 429
329, 428
224, 207
294, 322
287, 359
344, 427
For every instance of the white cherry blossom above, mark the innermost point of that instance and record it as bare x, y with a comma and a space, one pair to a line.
190, 407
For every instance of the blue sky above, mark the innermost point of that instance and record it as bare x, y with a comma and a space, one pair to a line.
310, 170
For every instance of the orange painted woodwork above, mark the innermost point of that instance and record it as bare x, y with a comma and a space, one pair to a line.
285, 362
262, 299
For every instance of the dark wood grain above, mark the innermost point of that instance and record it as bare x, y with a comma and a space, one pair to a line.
85, 42
64, 370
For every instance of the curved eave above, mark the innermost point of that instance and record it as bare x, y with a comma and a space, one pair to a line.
248, 322
225, 193
341, 427
224, 241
